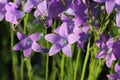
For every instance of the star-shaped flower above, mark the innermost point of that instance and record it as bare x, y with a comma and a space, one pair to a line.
109, 4
2, 9
12, 14
106, 49
116, 75
28, 43
61, 41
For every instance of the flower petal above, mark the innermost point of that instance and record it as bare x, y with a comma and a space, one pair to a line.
100, 1
109, 4
117, 2
109, 59
117, 67
18, 46
36, 47
118, 19
27, 52
52, 38
30, 4
1, 16
101, 54
18, 14
54, 49
72, 38
63, 30
35, 36
42, 6
56, 8
21, 36
67, 50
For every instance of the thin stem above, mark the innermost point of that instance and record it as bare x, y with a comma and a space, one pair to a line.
29, 68
76, 65
25, 23
22, 68
62, 67
47, 61
14, 56
86, 60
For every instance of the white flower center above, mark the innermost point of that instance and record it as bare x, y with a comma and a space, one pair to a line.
109, 50
63, 42
28, 41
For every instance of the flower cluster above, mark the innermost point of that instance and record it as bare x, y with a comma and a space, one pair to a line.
75, 18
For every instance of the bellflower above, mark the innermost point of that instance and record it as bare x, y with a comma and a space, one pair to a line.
28, 43
83, 33
42, 10
69, 22
61, 41
116, 75
56, 8
116, 49
106, 49
12, 14
78, 11
2, 9
30, 4
109, 4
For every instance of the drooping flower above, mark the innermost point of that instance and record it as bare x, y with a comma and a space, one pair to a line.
83, 33
28, 43
109, 4
2, 9
106, 49
116, 75
30, 4
61, 41
42, 11
12, 14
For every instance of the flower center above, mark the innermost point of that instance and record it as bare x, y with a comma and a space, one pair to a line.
109, 50
28, 41
63, 42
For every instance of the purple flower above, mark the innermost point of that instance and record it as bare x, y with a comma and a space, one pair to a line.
118, 19
30, 4
106, 49
2, 9
83, 33
109, 4
12, 14
116, 49
42, 9
28, 43
70, 23
62, 41
56, 8
116, 75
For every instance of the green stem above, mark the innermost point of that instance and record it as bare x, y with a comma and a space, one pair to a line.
76, 66
62, 67
29, 69
86, 60
22, 68
47, 61
14, 57
25, 23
